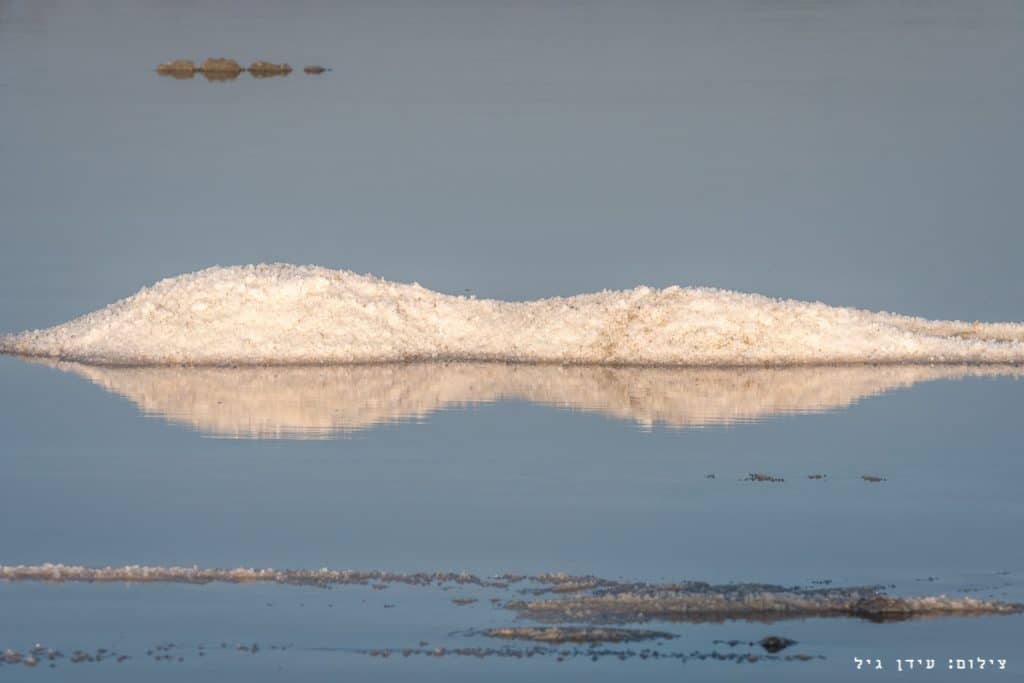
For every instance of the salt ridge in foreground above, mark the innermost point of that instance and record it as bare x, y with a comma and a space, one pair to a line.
580, 598
282, 314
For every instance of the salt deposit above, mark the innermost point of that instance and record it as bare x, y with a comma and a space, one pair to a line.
575, 634
282, 314
705, 603
585, 599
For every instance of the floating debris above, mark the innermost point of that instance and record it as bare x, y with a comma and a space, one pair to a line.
165, 652
38, 654
761, 476
562, 653
575, 634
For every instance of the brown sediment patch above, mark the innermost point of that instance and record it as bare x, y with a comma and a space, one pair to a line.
264, 69
178, 68
575, 634
220, 69
220, 77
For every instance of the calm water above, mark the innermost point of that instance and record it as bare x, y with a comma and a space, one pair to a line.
859, 153
488, 485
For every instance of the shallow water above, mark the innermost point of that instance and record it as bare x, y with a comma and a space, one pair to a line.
863, 154
496, 481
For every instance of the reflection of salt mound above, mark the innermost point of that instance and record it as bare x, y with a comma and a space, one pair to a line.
317, 402
286, 315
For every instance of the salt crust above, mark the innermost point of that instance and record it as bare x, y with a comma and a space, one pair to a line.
282, 314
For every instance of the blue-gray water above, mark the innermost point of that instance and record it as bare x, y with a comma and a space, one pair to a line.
861, 153
493, 487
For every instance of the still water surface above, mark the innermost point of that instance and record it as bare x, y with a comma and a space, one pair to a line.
490, 468
859, 153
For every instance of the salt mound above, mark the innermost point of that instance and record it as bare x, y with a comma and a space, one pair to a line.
282, 314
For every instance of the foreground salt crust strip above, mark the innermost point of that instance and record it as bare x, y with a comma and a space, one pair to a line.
751, 602
582, 599
320, 402
283, 314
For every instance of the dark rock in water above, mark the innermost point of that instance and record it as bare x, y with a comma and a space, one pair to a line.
882, 608
775, 643
314, 69
179, 68
262, 69
218, 68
